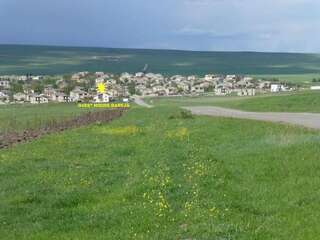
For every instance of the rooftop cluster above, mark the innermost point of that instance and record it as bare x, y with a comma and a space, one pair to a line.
82, 86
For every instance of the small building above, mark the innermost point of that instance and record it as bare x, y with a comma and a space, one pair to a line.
278, 88
99, 74
246, 92
101, 98
38, 99
275, 88
78, 95
222, 91
37, 78
20, 97
139, 74
315, 87
5, 84
61, 84
4, 98
49, 92
264, 85
197, 89
99, 80
61, 98
171, 91
183, 86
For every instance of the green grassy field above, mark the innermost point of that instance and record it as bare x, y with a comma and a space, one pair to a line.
20, 117
155, 175
303, 79
289, 102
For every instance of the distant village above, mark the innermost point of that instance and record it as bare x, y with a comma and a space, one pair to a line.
82, 87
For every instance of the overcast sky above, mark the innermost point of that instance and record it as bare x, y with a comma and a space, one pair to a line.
231, 25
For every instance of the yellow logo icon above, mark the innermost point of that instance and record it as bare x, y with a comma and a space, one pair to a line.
101, 88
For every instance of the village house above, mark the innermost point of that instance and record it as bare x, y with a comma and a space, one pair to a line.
20, 97
159, 90
264, 85
147, 92
315, 88
61, 97
246, 92
192, 78
38, 99
49, 92
222, 90
4, 98
36, 78
61, 84
230, 78
111, 81
99, 74
22, 78
78, 95
139, 74
275, 87
99, 80
124, 77
4, 84
77, 76
197, 89
102, 98
171, 91
183, 86
209, 77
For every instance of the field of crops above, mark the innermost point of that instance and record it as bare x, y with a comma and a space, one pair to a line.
162, 174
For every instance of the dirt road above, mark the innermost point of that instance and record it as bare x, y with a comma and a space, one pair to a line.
138, 100
310, 120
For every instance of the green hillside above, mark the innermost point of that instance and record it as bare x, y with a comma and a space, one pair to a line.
17, 59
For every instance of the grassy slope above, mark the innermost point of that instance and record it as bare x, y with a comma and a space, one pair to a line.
19, 117
147, 177
297, 102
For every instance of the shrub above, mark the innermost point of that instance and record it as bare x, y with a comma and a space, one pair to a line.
183, 114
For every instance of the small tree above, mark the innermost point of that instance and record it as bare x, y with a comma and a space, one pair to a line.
37, 87
16, 87
132, 88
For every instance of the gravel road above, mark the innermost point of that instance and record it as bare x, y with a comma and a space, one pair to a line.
310, 120
138, 100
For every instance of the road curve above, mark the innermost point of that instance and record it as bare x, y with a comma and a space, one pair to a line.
138, 100
309, 120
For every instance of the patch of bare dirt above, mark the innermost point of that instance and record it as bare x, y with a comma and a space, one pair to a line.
9, 139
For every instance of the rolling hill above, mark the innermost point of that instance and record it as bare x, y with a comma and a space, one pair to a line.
21, 59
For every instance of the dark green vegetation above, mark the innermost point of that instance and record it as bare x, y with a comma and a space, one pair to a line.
59, 60
160, 174
26, 116
293, 102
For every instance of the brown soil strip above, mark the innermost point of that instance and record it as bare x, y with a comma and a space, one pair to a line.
9, 139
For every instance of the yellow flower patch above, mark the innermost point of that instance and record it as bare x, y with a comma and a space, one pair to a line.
122, 131
179, 134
